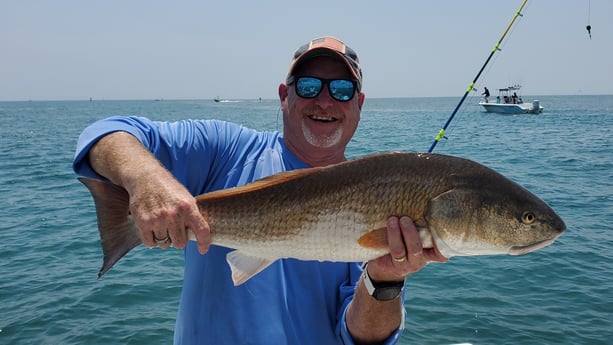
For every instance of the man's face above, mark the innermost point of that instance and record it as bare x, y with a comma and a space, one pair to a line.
319, 128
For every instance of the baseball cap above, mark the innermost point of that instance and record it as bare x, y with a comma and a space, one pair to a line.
330, 46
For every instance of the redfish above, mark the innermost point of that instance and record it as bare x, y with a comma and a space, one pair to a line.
339, 212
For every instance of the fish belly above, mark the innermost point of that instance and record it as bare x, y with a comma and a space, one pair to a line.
329, 237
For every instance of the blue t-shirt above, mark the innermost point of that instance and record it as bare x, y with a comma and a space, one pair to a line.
291, 301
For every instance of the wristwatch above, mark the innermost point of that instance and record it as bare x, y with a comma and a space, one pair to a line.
381, 291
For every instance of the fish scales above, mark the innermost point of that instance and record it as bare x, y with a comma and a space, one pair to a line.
320, 206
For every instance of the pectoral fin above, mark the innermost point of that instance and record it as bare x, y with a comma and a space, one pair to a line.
374, 239
378, 238
244, 266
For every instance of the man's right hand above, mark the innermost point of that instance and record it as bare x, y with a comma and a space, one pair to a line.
162, 208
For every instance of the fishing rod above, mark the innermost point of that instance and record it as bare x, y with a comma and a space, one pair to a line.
441, 133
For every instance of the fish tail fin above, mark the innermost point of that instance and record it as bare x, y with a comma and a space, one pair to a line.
118, 234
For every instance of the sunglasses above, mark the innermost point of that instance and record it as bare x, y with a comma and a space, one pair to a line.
341, 90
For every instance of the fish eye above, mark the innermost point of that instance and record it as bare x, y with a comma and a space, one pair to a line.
528, 217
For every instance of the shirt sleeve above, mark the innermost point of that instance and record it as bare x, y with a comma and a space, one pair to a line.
347, 292
189, 149
139, 127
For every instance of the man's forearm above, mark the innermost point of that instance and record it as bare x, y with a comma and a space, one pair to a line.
371, 321
121, 158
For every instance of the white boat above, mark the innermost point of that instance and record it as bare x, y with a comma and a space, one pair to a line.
509, 102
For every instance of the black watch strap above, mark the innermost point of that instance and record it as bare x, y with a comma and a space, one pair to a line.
382, 291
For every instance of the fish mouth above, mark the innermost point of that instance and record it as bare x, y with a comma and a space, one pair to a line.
521, 250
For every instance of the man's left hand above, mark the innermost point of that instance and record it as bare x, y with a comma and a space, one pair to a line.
407, 254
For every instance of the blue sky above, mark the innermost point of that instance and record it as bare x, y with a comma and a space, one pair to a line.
61, 50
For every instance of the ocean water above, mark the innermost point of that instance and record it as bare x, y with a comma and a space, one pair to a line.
562, 294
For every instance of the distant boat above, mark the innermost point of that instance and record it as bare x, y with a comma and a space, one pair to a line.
509, 102
219, 100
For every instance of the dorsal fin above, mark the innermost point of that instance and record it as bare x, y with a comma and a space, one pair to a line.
261, 183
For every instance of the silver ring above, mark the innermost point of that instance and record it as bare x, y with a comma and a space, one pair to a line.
161, 240
400, 259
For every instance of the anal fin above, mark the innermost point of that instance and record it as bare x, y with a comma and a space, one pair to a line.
245, 266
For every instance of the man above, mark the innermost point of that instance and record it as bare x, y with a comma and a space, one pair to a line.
162, 165
486, 94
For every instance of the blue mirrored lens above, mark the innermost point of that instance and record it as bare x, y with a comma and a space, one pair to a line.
308, 87
341, 90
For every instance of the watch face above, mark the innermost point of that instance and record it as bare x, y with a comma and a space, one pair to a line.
387, 293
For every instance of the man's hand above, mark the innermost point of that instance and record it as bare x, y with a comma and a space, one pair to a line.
406, 256
164, 210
